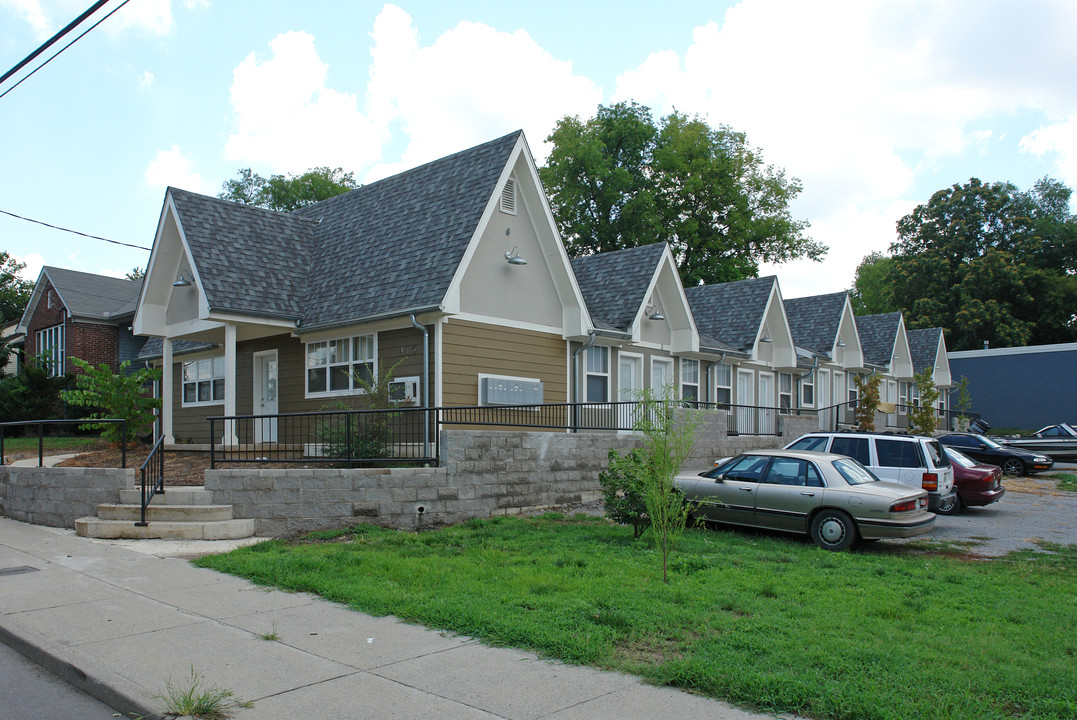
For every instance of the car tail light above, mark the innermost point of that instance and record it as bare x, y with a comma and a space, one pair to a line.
923, 502
931, 482
905, 506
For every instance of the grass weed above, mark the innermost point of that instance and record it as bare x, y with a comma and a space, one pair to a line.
1066, 481
198, 698
764, 620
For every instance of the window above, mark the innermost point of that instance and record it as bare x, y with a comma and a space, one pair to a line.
689, 379
854, 447
785, 392
898, 453
340, 366
807, 390
818, 444
50, 346
790, 471
723, 384
903, 396
597, 374
853, 395
203, 381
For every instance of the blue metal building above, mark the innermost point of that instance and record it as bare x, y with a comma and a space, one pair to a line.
1019, 387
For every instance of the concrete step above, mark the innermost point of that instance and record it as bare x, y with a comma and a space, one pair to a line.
170, 513
171, 496
164, 530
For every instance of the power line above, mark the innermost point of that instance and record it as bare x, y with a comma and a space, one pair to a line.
65, 47
74, 232
70, 26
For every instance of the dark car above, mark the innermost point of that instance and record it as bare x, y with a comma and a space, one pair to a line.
985, 450
976, 483
1058, 441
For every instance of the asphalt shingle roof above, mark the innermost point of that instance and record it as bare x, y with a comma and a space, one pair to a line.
94, 296
878, 333
924, 347
389, 246
154, 347
731, 312
614, 284
814, 321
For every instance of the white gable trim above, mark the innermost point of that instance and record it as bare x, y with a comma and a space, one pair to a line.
684, 336
789, 357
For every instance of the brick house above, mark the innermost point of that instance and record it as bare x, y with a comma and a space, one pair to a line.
74, 314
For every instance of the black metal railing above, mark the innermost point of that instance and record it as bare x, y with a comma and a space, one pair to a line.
410, 435
42, 424
894, 416
153, 478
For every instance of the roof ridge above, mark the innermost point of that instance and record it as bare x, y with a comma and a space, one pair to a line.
245, 206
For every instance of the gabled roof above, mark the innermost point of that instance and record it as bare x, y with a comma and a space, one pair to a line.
878, 333
615, 284
85, 295
924, 347
250, 260
815, 320
731, 312
396, 244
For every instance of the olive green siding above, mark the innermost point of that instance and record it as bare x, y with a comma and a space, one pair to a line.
472, 348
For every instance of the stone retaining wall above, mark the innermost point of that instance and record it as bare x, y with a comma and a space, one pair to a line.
58, 496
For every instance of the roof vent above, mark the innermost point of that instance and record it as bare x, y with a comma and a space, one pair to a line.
508, 197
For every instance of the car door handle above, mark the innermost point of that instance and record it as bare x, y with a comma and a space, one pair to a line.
809, 493
746, 489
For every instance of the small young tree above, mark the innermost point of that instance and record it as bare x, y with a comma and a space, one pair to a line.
371, 434
624, 489
668, 437
121, 395
922, 418
867, 391
964, 404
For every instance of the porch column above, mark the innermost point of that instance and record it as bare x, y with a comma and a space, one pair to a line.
230, 383
166, 393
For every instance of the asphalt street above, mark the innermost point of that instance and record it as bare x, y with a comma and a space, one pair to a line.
30, 692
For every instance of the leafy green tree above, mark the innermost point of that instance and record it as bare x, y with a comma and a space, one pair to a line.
118, 395
14, 291
621, 180
286, 193
136, 274
986, 261
867, 392
32, 394
873, 291
922, 418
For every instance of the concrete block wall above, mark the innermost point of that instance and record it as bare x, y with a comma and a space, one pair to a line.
58, 496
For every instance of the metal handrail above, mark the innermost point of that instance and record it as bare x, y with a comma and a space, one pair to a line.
41, 435
154, 467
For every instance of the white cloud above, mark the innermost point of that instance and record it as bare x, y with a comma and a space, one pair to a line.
150, 17
32, 12
170, 167
287, 118
34, 262
145, 80
1059, 139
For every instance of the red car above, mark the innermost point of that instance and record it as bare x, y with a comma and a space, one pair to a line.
976, 484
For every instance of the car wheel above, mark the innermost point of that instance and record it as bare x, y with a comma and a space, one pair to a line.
950, 507
1013, 466
833, 530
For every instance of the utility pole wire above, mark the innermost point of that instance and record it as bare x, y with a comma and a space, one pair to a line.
75, 232
65, 47
70, 26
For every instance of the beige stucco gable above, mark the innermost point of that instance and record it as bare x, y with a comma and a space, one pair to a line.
773, 345
664, 318
847, 351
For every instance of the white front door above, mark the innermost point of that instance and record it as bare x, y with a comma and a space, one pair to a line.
823, 390
661, 376
766, 400
745, 400
839, 396
629, 384
265, 396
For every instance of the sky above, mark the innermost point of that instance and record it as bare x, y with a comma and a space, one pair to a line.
872, 106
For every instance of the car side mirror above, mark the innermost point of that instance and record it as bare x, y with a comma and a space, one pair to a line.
982, 446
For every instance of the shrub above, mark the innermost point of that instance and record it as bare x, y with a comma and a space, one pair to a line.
624, 490
867, 401
119, 395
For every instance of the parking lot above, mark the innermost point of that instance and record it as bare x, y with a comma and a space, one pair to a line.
1032, 511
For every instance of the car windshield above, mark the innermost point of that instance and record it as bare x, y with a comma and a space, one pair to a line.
853, 472
960, 458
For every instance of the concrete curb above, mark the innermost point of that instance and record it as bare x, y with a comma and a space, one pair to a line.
111, 689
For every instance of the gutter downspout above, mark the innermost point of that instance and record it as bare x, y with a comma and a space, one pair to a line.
425, 394
576, 374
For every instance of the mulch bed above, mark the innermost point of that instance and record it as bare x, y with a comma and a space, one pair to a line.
180, 469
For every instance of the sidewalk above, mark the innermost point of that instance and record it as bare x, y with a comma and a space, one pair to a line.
119, 623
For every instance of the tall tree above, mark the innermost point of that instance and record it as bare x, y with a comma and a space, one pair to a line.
988, 262
873, 291
620, 180
14, 291
286, 193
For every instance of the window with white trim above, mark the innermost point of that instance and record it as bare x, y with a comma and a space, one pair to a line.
903, 396
853, 394
597, 374
785, 392
689, 379
807, 390
723, 384
50, 347
340, 366
203, 382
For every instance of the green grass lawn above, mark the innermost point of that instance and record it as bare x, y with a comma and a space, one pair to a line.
1066, 481
760, 620
53, 445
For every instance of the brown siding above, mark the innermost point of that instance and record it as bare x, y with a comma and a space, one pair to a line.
471, 348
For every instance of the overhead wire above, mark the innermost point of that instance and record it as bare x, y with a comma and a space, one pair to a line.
48, 43
75, 232
65, 47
